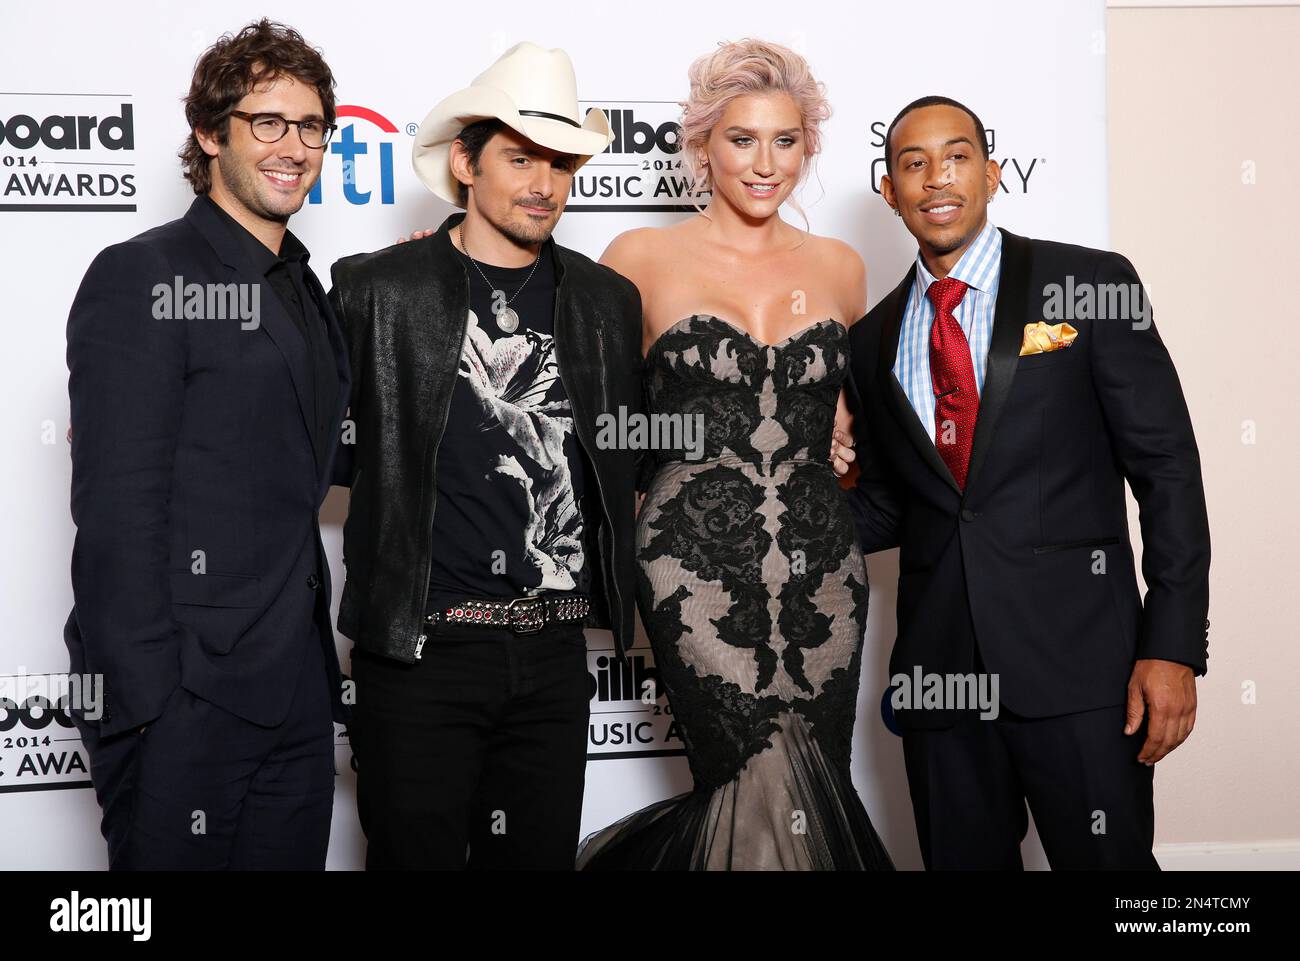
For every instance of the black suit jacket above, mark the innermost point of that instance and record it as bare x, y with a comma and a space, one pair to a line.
1013, 559
191, 448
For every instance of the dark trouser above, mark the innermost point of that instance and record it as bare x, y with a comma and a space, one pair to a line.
204, 789
481, 744
1090, 797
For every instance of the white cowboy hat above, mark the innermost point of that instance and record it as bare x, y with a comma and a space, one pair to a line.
532, 91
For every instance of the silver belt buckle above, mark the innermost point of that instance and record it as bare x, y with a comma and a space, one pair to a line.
522, 602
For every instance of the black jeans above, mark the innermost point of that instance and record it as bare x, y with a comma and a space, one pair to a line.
479, 745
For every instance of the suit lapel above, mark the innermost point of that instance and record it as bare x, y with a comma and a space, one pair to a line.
1004, 345
900, 406
339, 351
273, 319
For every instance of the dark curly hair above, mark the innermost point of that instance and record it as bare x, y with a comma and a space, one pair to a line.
232, 67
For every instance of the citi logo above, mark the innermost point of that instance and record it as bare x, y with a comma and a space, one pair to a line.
360, 178
71, 132
633, 136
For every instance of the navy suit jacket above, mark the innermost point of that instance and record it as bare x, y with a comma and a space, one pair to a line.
195, 483
1032, 559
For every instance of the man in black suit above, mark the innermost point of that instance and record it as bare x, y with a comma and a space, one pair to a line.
995, 439
208, 381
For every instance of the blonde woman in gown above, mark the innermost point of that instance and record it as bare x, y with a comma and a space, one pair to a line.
751, 586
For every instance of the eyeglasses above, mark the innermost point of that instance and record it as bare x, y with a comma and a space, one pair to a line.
270, 127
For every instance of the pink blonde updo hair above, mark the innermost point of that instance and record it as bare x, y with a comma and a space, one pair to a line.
748, 67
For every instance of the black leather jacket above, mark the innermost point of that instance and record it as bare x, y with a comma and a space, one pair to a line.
404, 310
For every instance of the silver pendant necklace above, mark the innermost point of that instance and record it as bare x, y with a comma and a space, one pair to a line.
507, 319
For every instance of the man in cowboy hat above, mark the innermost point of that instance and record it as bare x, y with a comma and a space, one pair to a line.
486, 525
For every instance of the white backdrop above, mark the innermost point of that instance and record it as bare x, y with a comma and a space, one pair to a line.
1034, 71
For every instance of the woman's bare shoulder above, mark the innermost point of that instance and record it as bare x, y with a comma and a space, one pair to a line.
647, 251
842, 268
636, 247
833, 251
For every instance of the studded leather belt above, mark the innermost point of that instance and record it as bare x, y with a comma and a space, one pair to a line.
522, 615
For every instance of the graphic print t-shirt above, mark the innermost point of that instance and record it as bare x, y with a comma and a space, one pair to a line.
511, 473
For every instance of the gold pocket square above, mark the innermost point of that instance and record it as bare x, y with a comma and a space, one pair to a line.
1040, 338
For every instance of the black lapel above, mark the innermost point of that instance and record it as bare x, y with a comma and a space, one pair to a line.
1004, 344
340, 351
337, 347
895, 306
273, 319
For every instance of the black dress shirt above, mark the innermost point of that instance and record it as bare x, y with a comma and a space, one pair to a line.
286, 273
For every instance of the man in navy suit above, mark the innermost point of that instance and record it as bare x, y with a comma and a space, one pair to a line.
208, 381
996, 444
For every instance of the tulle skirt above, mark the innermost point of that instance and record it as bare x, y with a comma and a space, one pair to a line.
787, 809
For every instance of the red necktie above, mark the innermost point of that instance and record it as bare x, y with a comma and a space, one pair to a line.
956, 398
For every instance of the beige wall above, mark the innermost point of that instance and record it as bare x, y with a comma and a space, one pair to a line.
1195, 94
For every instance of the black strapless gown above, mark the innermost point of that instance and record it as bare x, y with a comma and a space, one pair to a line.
753, 593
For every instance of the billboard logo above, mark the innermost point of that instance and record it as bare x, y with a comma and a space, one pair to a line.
69, 132
641, 169
630, 716
61, 152
40, 747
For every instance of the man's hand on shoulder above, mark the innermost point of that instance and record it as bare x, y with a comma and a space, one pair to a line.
418, 234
